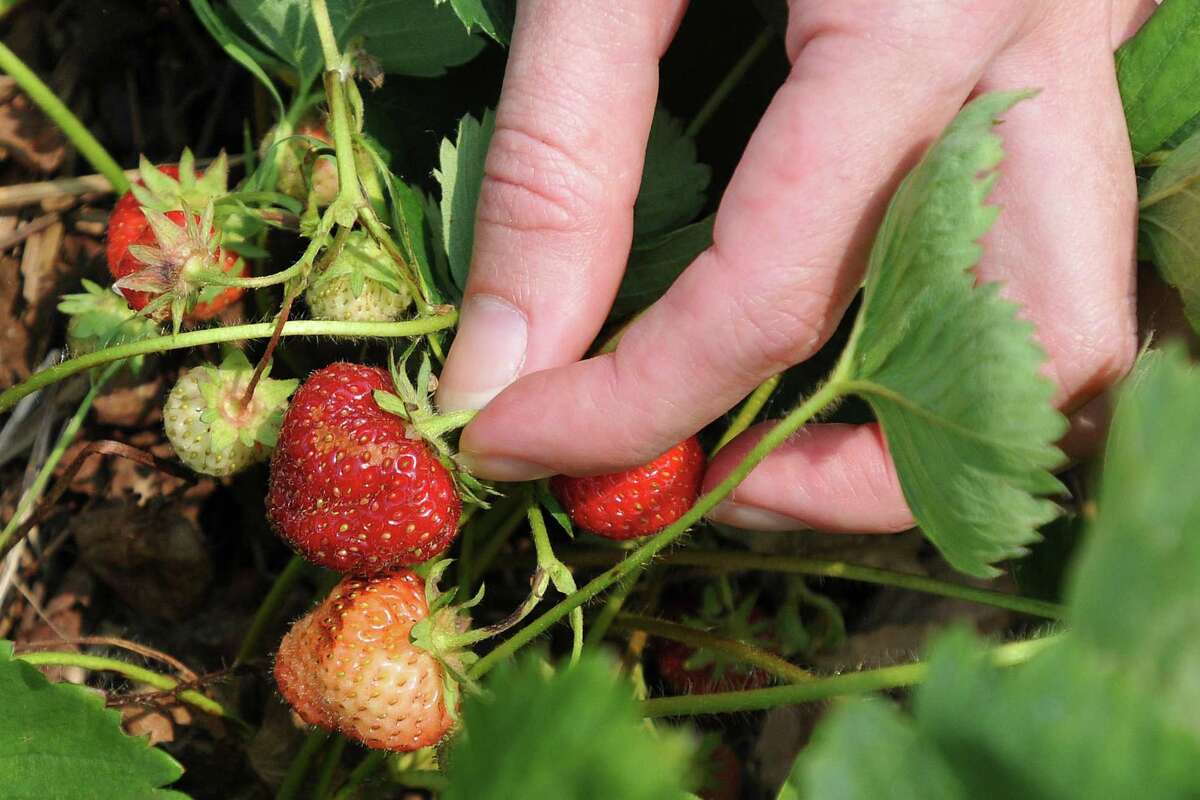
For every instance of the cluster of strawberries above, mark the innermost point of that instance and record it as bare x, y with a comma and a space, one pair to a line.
354, 487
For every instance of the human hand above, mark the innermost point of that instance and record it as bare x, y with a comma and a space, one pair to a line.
871, 85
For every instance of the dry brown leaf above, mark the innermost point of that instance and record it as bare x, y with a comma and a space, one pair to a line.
26, 134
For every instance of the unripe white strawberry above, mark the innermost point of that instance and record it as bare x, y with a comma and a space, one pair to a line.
210, 429
361, 285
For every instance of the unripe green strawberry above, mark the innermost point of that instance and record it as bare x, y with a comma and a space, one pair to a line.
361, 285
101, 318
210, 429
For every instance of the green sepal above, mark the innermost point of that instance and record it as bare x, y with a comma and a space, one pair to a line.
554, 508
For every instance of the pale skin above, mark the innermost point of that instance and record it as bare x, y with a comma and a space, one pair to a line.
872, 83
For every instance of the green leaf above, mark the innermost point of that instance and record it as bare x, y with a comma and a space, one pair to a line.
1156, 71
949, 370
1169, 223
59, 741
407, 37
461, 176
673, 182
574, 734
236, 48
493, 17
1145, 543
897, 763
1109, 710
655, 264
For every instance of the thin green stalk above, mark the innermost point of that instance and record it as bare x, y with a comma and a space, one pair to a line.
748, 412
852, 683
729, 82
639, 558
60, 115
612, 607
8, 5
329, 765
294, 779
335, 72
69, 432
695, 638
360, 773
735, 561
559, 574
268, 610
428, 779
229, 333
50, 658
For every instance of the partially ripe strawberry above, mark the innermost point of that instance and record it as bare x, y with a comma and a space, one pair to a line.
133, 235
349, 666
350, 488
361, 285
323, 169
210, 429
638, 501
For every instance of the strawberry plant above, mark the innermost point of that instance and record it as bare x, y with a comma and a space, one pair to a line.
259, 360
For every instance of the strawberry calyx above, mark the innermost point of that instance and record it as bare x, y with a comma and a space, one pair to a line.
253, 423
179, 268
101, 318
413, 402
159, 191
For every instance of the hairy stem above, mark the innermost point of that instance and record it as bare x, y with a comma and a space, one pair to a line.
230, 333
61, 116
735, 561
501, 534
336, 73
738, 650
748, 412
50, 658
871, 680
639, 558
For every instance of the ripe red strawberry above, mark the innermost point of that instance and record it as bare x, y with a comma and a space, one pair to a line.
348, 665
129, 227
349, 488
677, 667
638, 501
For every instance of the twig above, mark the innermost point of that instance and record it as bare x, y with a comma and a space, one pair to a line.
29, 229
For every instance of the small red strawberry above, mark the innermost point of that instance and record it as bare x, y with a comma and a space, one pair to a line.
689, 671
167, 190
638, 501
349, 665
353, 487
722, 770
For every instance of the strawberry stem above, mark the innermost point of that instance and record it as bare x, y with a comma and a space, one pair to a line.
737, 561
852, 683
60, 115
559, 573
706, 640
50, 658
748, 412
638, 559
231, 333
269, 609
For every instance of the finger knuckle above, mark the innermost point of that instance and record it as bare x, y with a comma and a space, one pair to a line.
532, 183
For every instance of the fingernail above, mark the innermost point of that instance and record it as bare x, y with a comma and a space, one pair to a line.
502, 468
752, 518
489, 351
